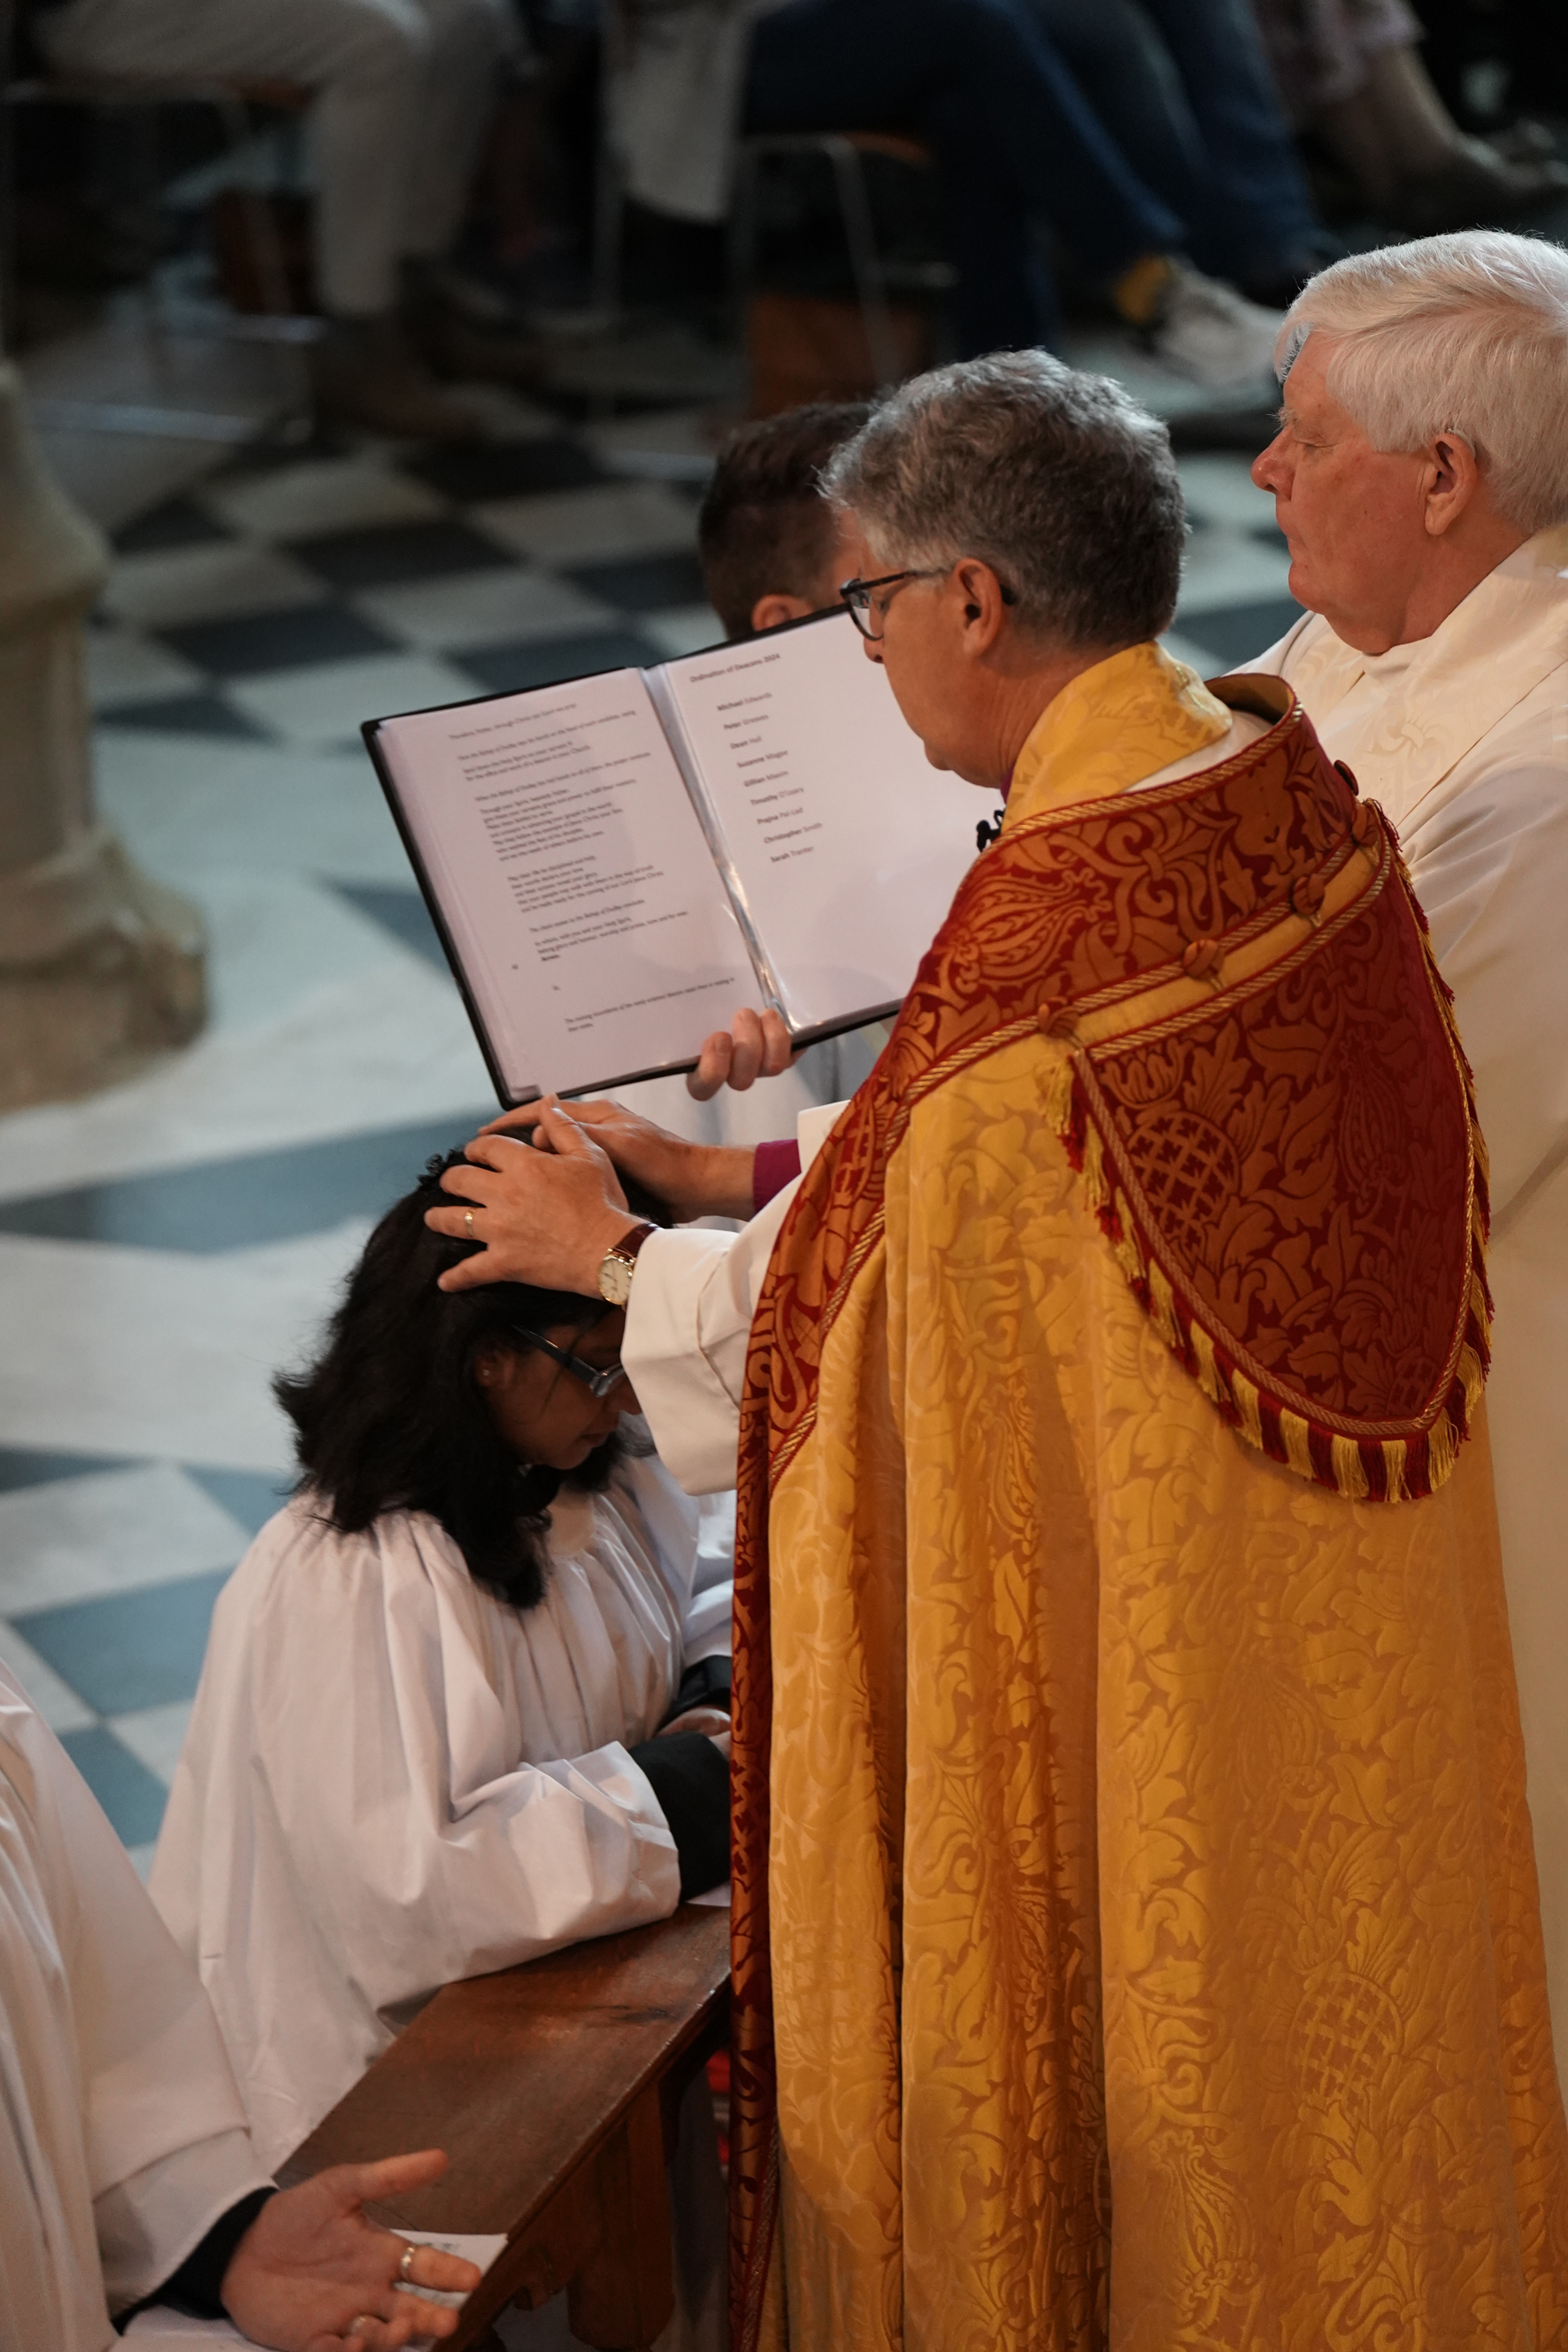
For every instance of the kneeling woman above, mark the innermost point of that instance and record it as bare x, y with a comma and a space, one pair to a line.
425, 1744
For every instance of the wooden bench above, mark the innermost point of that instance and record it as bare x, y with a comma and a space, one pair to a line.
552, 2087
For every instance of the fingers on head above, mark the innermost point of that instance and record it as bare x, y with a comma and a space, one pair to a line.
484, 1151
472, 1274
566, 1135
467, 1179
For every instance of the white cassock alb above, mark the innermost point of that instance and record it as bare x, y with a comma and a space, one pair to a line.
393, 1780
1462, 737
122, 2138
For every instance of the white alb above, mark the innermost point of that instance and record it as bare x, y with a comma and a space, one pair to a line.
392, 1779
122, 2137
1462, 737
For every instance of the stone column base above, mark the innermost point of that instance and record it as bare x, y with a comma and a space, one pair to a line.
101, 973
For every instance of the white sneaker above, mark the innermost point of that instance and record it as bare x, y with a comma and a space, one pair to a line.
1213, 336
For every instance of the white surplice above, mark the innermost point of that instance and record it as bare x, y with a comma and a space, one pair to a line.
122, 2137
393, 1780
1462, 737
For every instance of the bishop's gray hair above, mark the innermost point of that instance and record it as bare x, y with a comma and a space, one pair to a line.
1465, 334
1059, 481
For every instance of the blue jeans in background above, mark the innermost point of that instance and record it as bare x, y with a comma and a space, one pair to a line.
1014, 139
1183, 88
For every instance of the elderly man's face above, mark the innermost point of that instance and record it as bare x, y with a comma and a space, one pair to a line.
1355, 518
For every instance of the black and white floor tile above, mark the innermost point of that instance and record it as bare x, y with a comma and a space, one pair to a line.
166, 1245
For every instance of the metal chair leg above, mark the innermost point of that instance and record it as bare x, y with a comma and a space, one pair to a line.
609, 228
743, 241
865, 261
271, 268
606, 262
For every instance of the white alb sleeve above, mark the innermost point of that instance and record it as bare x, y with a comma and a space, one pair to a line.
688, 1323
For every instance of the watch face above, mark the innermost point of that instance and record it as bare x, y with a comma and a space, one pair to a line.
614, 1279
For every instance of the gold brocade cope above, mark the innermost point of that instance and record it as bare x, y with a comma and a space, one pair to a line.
1135, 1928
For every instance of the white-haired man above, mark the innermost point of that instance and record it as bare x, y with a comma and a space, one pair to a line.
1420, 476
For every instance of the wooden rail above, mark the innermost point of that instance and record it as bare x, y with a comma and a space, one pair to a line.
553, 2088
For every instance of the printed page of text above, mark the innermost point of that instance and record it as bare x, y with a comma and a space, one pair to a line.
845, 844
574, 878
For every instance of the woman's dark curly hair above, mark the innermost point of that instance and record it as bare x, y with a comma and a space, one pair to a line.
390, 1416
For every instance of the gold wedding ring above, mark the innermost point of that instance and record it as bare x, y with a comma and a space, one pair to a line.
468, 1222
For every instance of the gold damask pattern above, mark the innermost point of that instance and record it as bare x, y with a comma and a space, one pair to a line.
1128, 1831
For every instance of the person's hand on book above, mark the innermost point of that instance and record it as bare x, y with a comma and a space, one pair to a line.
755, 1045
548, 1217
690, 1179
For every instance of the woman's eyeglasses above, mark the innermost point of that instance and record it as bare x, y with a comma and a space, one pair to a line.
857, 595
598, 1381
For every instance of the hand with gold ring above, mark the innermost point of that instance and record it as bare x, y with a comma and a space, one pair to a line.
313, 2275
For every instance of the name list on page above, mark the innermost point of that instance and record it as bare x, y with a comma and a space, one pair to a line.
595, 923
846, 843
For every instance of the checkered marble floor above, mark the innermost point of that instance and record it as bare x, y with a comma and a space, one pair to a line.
166, 1245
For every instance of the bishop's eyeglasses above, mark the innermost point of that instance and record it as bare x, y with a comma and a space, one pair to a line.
857, 594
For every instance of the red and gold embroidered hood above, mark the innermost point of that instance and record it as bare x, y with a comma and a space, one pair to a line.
1264, 1092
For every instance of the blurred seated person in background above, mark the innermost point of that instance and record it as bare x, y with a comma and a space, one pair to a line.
771, 548
1015, 142
1350, 72
1183, 88
404, 90
423, 1746
127, 2174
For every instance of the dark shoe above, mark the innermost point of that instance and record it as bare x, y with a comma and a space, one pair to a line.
1524, 141
462, 349
364, 373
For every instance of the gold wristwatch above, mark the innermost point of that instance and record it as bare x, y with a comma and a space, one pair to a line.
617, 1266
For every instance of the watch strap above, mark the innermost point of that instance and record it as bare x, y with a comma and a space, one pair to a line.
629, 1244
622, 1255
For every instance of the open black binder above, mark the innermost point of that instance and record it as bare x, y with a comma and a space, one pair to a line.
616, 863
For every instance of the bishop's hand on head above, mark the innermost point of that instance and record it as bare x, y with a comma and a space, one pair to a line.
549, 1217
686, 1179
